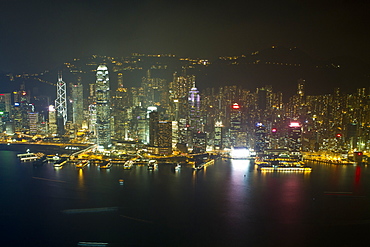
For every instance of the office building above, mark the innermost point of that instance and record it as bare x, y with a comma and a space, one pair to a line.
102, 108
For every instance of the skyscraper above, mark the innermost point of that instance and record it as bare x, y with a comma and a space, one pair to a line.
61, 101
77, 104
102, 107
52, 121
194, 109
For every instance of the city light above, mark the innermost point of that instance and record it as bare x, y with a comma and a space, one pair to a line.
294, 124
236, 106
239, 153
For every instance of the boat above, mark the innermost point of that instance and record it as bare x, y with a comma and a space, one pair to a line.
82, 163
152, 164
281, 160
28, 157
199, 167
52, 158
105, 165
177, 167
61, 162
128, 164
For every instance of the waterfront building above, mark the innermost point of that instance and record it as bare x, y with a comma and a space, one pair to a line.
199, 142
237, 137
103, 107
295, 137
261, 142
160, 135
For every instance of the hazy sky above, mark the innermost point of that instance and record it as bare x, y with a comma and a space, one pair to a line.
35, 35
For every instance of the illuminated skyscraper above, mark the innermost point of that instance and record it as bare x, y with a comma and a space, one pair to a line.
194, 109
102, 107
294, 137
261, 142
33, 121
235, 126
52, 121
77, 104
61, 101
218, 135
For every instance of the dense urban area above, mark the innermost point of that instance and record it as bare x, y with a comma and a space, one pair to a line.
165, 114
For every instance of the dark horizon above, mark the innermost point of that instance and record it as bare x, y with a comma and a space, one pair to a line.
42, 35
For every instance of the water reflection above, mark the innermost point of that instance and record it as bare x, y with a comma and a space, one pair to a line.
81, 184
237, 192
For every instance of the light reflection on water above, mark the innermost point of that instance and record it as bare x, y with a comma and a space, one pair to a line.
229, 203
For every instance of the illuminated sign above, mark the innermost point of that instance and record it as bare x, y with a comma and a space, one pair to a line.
294, 124
236, 106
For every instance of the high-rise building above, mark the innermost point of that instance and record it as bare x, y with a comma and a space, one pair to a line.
77, 104
194, 118
155, 91
103, 107
261, 142
235, 126
194, 109
52, 121
295, 137
33, 118
61, 101
218, 136
5, 109
5, 98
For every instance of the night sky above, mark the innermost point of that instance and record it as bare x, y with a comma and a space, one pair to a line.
38, 35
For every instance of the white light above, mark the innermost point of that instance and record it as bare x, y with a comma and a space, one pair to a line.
240, 153
294, 124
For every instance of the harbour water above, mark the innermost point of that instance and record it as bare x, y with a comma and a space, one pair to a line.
228, 203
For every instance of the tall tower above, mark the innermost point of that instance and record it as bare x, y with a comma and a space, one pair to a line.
194, 109
102, 107
77, 103
61, 101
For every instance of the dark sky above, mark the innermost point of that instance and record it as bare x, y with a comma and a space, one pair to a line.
37, 35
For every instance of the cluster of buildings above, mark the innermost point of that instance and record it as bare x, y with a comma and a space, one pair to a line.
167, 117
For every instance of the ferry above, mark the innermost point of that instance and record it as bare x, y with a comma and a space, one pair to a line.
82, 163
286, 168
128, 164
199, 167
105, 165
152, 164
53, 158
177, 167
61, 162
281, 160
28, 157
